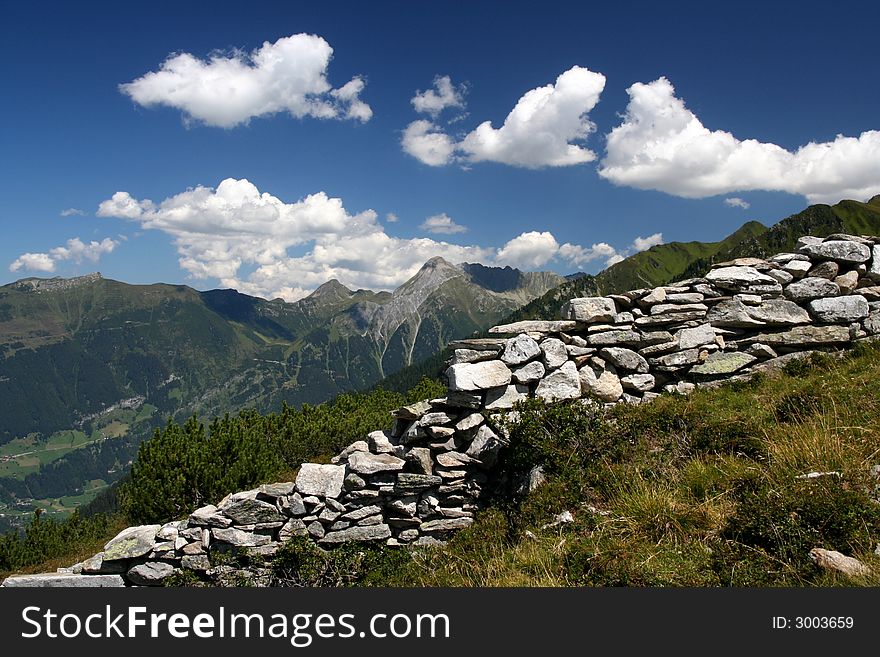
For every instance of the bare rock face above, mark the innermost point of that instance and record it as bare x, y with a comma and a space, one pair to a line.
470, 377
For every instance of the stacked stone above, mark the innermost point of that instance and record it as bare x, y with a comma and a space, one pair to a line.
423, 480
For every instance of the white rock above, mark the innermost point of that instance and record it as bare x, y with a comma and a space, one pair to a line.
520, 349
696, 337
639, 382
554, 352
469, 377
562, 383
606, 386
838, 250
840, 309
380, 442
321, 480
626, 359
811, 287
531, 371
505, 396
365, 463
590, 310
874, 272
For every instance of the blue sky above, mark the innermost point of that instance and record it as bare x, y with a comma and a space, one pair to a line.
634, 123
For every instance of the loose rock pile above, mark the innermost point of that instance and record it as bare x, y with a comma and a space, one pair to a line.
423, 480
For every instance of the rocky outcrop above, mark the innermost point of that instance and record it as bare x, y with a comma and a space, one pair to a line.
423, 480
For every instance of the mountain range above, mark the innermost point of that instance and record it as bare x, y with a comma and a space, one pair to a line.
89, 367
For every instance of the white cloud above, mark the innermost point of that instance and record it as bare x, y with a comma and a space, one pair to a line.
392, 218
613, 260
75, 250
662, 145
72, 212
219, 231
736, 202
644, 243
546, 128
426, 142
444, 94
33, 262
442, 224
227, 90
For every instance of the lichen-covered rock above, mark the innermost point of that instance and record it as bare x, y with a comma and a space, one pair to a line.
805, 336
470, 377
359, 533
723, 363
131, 543
247, 512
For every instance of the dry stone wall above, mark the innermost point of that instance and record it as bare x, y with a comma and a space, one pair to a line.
423, 480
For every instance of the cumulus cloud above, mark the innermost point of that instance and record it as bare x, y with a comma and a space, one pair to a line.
534, 249
427, 142
736, 202
442, 224
444, 94
72, 212
75, 250
218, 232
644, 243
229, 89
546, 128
662, 145
392, 218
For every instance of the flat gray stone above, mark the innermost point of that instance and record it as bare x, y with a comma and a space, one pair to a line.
445, 525
772, 312
365, 463
838, 250
471, 356
321, 480
470, 377
616, 337
530, 372
408, 482
805, 336
874, 269
293, 527
412, 411
638, 382
505, 396
151, 573
249, 512
239, 538
696, 337
520, 349
850, 308
560, 384
536, 326
359, 533
740, 278
131, 543
625, 359
590, 310
63, 580
420, 458
811, 287
554, 352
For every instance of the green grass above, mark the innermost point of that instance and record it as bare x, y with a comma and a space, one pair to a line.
687, 491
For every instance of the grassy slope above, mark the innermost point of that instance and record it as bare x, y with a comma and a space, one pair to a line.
703, 492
